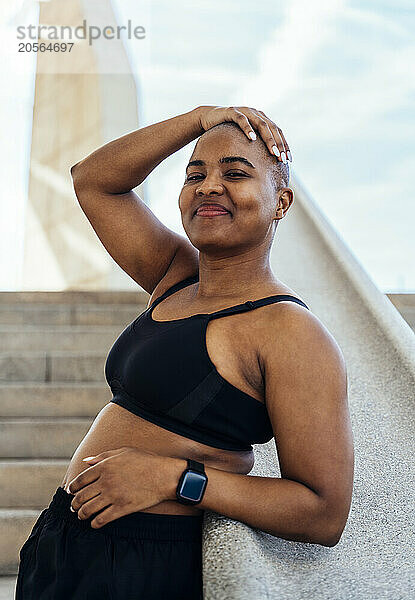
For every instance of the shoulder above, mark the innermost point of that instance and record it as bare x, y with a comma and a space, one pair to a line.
292, 334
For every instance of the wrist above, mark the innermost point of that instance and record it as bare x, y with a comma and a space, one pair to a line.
173, 471
197, 116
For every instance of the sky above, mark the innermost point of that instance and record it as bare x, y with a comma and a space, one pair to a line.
336, 75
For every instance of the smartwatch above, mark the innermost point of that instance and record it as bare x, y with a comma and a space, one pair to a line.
192, 483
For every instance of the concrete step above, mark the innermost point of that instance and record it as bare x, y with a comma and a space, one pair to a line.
57, 337
15, 527
41, 437
52, 384
405, 304
68, 314
30, 482
53, 366
408, 313
53, 399
7, 587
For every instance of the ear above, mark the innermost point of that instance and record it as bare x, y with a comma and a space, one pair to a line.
284, 199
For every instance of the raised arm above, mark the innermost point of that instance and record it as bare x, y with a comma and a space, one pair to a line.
134, 237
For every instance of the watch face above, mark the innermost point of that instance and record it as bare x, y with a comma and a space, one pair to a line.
192, 486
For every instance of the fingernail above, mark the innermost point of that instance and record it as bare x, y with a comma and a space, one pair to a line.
72, 509
252, 135
275, 151
89, 458
289, 156
283, 157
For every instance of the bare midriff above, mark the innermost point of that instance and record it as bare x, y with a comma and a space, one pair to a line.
115, 427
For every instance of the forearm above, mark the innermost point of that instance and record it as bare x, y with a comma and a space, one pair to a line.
122, 164
281, 507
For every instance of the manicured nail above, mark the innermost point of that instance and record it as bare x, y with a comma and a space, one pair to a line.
73, 510
275, 151
289, 156
89, 458
283, 158
252, 135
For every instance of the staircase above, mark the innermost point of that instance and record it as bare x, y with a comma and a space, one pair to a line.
53, 347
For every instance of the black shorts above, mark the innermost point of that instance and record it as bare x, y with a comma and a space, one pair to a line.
137, 556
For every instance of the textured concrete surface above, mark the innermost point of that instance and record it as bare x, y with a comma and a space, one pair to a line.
375, 558
7, 586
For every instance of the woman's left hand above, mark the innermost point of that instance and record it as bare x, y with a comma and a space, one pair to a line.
122, 481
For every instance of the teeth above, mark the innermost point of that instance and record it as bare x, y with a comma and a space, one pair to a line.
212, 208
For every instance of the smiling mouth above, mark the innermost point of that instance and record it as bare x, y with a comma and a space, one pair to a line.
211, 210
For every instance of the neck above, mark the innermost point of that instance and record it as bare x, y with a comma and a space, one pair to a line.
234, 274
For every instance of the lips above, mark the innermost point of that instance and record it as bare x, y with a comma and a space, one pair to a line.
211, 209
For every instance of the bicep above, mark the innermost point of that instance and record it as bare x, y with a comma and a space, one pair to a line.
135, 238
306, 397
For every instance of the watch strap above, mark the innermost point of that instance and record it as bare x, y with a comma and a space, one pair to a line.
196, 466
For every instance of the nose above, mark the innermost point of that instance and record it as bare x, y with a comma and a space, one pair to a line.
209, 186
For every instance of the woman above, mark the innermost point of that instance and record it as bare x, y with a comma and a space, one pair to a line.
225, 355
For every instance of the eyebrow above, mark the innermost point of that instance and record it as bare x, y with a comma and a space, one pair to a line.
224, 159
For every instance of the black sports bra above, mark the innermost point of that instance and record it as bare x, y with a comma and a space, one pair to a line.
161, 371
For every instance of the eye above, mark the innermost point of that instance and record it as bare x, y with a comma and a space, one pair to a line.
193, 177
231, 174
235, 173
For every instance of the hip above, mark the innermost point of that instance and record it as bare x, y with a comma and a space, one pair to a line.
137, 555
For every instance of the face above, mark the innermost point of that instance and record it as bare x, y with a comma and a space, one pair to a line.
227, 204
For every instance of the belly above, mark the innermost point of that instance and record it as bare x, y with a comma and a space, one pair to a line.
114, 426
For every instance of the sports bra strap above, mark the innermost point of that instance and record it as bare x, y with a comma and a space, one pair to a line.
175, 288
252, 304
238, 308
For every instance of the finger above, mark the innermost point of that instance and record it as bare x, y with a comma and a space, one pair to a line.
102, 455
280, 134
288, 152
280, 141
240, 119
109, 514
84, 495
91, 508
85, 478
267, 135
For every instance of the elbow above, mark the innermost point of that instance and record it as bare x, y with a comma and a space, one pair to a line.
73, 169
327, 528
332, 540
79, 178
330, 534
75, 174
332, 519
325, 538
